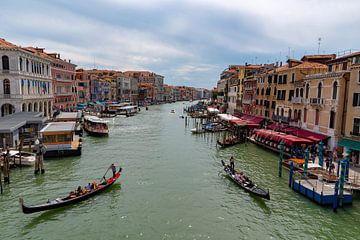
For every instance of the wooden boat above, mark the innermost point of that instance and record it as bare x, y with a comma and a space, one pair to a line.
172, 111
96, 126
244, 182
62, 202
228, 142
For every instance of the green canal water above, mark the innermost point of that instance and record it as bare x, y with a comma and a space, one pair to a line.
170, 189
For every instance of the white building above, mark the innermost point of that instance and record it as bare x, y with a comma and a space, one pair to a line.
25, 80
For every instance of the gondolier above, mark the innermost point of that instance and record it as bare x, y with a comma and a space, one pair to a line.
232, 163
113, 169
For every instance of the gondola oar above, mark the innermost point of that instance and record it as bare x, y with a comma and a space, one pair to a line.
105, 173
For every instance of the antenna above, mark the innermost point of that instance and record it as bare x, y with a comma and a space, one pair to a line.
319, 44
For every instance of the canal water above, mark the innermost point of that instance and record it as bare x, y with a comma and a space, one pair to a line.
171, 188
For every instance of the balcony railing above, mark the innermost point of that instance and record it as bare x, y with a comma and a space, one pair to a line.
278, 118
317, 101
246, 101
297, 100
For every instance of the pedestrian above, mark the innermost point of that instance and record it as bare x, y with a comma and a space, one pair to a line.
327, 164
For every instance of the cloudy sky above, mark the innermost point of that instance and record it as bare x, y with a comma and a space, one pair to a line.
188, 41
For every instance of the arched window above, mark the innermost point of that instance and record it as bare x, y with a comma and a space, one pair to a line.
335, 88
277, 111
299, 115
295, 114
274, 91
257, 91
5, 63
262, 92
282, 112
297, 92
29, 107
27, 65
20, 64
23, 108
307, 91
6, 86
301, 92
319, 90
290, 112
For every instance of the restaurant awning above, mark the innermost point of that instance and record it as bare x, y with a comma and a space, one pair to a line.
305, 134
351, 144
281, 137
241, 122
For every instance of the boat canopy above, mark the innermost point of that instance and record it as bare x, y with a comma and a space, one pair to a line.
305, 134
95, 119
227, 117
242, 123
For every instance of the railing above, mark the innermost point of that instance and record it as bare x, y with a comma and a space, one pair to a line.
316, 101
332, 102
297, 100
246, 101
278, 118
248, 88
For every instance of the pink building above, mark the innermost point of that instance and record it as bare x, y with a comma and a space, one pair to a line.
64, 83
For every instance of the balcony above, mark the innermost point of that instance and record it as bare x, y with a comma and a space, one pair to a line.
247, 101
317, 101
331, 102
248, 88
297, 100
280, 119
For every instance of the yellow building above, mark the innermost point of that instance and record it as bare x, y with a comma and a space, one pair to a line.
350, 129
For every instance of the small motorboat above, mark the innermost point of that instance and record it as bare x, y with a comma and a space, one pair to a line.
62, 202
197, 130
27, 158
244, 182
181, 116
172, 111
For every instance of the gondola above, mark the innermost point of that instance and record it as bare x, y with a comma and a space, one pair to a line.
62, 202
247, 185
228, 142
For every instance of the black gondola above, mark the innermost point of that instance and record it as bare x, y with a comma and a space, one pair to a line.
228, 142
62, 202
247, 184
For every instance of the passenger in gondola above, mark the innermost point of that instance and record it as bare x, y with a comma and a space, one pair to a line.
72, 194
88, 187
79, 191
113, 168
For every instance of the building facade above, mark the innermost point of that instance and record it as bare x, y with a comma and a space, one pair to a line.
26, 82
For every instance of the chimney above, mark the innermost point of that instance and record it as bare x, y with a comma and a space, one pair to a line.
69, 60
280, 64
58, 56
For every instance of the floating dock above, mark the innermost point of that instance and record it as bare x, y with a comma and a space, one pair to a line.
320, 192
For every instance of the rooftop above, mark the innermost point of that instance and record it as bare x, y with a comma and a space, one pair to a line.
67, 115
59, 127
15, 121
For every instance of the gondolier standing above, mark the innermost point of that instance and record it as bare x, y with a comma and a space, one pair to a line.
113, 169
40, 150
232, 164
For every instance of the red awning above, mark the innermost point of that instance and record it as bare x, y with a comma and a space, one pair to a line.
281, 137
306, 134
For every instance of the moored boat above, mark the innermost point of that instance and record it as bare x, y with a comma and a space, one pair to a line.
61, 139
96, 126
62, 202
197, 130
27, 158
244, 182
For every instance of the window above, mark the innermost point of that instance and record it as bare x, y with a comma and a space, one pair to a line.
356, 127
301, 92
275, 91
27, 65
275, 79
262, 92
289, 113
334, 90
261, 102
356, 100
359, 77
319, 90
317, 115
282, 112
21, 63
284, 79
257, 91
280, 79
307, 91
332, 119
344, 66
330, 68
298, 117
6, 86
5, 62
305, 113
269, 79
273, 104
291, 95
277, 111
293, 77
297, 93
